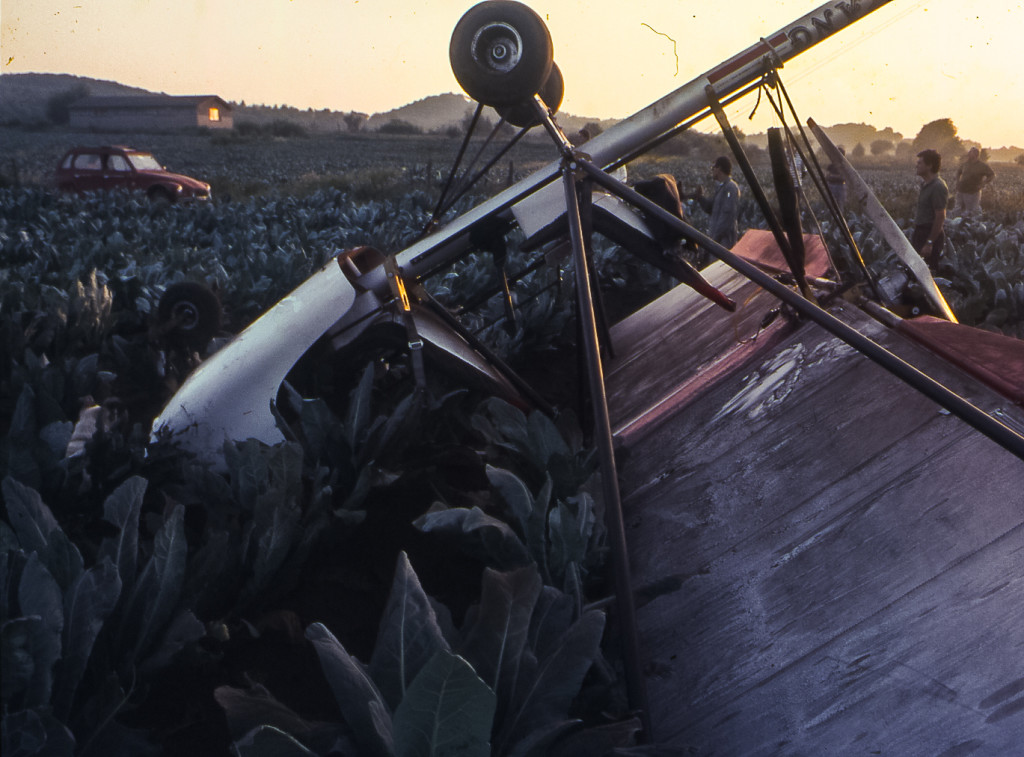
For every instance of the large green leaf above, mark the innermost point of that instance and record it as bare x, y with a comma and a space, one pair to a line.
357, 696
409, 635
545, 439
220, 556
179, 632
494, 643
447, 712
87, 605
18, 640
158, 588
477, 534
514, 492
387, 441
22, 434
359, 407
551, 621
570, 526
506, 423
39, 532
40, 597
276, 484
247, 709
30, 733
321, 431
267, 741
545, 697
274, 539
122, 509
248, 468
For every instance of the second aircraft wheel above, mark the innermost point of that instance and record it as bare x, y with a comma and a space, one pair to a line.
501, 52
524, 114
189, 314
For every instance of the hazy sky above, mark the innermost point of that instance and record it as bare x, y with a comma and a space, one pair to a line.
906, 64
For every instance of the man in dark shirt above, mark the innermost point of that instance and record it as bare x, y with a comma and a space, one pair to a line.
723, 205
929, 220
973, 176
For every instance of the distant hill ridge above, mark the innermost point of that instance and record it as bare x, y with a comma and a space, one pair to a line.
24, 98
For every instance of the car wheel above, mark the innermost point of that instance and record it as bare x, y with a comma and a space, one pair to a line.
160, 196
501, 52
189, 315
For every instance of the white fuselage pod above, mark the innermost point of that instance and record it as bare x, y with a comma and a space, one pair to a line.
230, 395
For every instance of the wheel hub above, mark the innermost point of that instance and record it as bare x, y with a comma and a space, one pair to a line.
185, 316
497, 47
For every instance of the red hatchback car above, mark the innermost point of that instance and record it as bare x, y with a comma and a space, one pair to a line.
118, 167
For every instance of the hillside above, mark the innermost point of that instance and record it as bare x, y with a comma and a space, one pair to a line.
438, 112
24, 98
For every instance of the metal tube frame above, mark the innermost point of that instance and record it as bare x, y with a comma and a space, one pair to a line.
642, 129
606, 453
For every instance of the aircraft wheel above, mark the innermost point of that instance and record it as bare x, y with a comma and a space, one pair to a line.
189, 313
523, 114
501, 52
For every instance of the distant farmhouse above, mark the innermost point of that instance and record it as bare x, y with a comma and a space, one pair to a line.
149, 113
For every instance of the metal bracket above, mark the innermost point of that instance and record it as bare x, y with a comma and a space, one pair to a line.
397, 285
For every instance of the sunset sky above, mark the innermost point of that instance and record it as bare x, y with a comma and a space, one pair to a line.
904, 65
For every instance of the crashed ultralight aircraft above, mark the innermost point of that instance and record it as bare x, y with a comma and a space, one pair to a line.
679, 365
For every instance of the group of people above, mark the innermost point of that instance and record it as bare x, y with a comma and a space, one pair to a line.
928, 236
972, 177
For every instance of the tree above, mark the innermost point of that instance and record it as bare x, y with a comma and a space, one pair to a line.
881, 147
354, 120
940, 135
905, 150
858, 151
1019, 160
399, 126
57, 107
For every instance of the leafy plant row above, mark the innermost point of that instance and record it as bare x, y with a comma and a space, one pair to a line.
134, 578
187, 562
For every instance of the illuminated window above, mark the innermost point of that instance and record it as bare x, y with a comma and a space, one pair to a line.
214, 114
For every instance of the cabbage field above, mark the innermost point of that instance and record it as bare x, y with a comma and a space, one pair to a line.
416, 566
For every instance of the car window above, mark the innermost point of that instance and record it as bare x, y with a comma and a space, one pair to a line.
118, 163
66, 164
143, 161
87, 161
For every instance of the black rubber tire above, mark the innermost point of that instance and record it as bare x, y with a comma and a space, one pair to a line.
189, 315
501, 52
524, 115
160, 196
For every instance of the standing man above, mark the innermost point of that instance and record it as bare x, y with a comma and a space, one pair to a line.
971, 178
723, 205
929, 220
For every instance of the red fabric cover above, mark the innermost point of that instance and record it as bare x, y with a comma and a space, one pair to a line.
994, 359
759, 247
